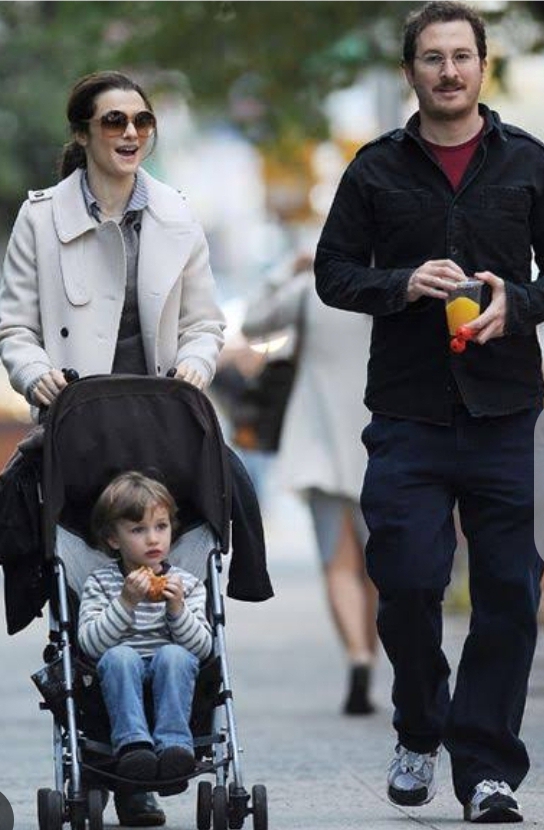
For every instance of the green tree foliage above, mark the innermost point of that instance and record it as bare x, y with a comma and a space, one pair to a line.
267, 66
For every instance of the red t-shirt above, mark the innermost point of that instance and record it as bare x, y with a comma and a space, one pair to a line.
455, 160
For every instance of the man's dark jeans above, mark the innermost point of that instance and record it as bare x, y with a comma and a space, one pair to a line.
415, 474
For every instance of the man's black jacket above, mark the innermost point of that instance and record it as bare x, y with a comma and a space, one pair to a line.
394, 210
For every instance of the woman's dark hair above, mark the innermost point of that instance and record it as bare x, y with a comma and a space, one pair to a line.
81, 107
441, 11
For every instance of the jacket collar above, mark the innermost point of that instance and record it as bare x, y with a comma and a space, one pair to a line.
492, 123
72, 218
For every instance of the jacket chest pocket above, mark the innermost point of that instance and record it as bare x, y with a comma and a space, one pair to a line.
396, 209
515, 201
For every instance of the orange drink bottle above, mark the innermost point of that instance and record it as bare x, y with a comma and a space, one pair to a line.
463, 304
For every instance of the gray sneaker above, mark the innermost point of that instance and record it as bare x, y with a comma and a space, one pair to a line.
492, 802
411, 779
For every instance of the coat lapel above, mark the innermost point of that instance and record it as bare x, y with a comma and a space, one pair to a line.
72, 221
166, 242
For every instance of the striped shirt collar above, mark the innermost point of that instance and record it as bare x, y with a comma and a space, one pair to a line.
139, 198
165, 567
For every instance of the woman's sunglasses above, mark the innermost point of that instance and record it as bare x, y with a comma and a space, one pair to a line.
114, 123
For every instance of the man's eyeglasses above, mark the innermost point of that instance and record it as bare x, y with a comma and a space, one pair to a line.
114, 123
435, 60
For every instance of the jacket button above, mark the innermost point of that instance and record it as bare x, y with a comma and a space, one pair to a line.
64, 332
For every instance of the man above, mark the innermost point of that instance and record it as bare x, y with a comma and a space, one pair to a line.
455, 194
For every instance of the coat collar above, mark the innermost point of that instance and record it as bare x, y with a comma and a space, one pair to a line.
72, 218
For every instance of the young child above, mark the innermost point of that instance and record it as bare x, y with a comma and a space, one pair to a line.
136, 639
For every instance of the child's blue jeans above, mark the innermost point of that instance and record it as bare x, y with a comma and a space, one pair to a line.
171, 672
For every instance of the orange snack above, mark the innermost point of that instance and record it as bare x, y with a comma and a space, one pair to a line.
157, 585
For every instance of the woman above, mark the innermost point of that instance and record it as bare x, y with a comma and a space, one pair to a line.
107, 272
321, 455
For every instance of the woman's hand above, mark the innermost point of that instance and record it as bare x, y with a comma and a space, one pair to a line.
187, 373
135, 588
174, 595
48, 387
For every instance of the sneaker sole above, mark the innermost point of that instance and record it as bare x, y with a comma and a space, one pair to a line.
409, 798
496, 815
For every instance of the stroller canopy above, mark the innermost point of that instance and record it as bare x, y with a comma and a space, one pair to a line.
104, 425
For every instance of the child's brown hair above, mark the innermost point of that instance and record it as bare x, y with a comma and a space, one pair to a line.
128, 496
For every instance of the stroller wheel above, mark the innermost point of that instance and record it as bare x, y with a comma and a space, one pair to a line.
43, 797
260, 807
220, 808
95, 807
204, 805
54, 810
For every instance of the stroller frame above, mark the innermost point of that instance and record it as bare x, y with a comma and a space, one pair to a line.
225, 805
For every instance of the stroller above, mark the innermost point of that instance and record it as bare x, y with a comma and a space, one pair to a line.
167, 429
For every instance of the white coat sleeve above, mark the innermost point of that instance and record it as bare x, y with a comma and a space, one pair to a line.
21, 342
201, 321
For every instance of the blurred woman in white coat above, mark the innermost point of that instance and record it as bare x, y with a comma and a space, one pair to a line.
321, 456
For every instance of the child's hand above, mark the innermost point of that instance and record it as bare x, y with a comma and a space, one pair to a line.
174, 595
135, 587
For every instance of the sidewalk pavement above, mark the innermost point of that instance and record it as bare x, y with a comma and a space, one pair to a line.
321, 769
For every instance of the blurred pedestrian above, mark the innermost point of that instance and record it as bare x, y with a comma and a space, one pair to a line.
108, 272
320, 457
232, 392
454, 194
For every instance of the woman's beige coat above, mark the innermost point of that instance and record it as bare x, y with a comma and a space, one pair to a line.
63, 287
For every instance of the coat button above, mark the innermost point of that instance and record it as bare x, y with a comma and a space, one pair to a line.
64, 332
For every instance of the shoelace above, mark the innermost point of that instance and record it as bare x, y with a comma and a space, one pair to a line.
490, 787
414, 762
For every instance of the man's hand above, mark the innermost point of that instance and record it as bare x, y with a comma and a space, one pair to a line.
491, 323
435, 278
48, 387
174, 595
190, 375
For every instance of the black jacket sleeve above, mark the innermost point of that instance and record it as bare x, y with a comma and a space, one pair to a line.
345, 275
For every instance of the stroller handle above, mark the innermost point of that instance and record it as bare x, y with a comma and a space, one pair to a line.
70, 375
